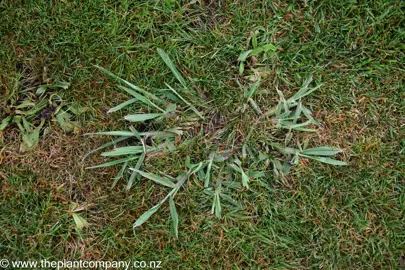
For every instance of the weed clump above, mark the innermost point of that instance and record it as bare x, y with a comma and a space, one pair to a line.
227, 164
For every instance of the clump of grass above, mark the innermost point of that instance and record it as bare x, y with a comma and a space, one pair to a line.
30, 107
170, 109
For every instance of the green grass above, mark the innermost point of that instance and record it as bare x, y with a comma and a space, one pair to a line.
320, 216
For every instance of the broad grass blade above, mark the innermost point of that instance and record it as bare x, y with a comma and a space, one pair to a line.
327, 160
141, 117
105, 146
124, 133
194, 109
175, 217
145, 216
321, 151
80, 221
141, 98
126, 150
172, 67
120, 174
156, 178
122, 105
129, 84
244, 55
135, 174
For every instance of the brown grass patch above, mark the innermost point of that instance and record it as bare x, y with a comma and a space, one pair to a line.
59, 158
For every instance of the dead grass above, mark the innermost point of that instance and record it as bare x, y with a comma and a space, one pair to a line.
59, 158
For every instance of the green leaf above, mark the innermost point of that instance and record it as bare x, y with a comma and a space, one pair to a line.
4, 123
254, 41
63, 85
64, 121
327, 160
122, 105
30, 136
304, 91
131, 180
253, 89
164, 134
145, 216
171, 108
174, 216
194, 109
256, 51
125, 150
130, 85
195, 168
134, 173
172, 67
292, 125
156, 178
105, 146
141, 98
216, 207
120, 174
80, 221
115, 133
39, 106
208, 173
244, 55
269, 47
245, 179
41, 90
255, 106
241, 68
25, 104
76, 109
321, 151
141, 117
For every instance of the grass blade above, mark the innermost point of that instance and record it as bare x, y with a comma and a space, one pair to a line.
156, 178
174, 215
120, 174
244, 55
194, 109
216, 207
122, 105
80, 221
141, 117
172, 67
129, 84
269, 47
321, 151
105, 146
123, 133
126, 150
135, 174
145, 216
245, 179
141, 98
327, 160
4, 122
208, 173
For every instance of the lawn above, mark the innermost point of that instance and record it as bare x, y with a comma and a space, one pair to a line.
318, 215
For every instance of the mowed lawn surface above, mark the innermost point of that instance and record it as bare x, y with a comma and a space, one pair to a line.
321, 216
